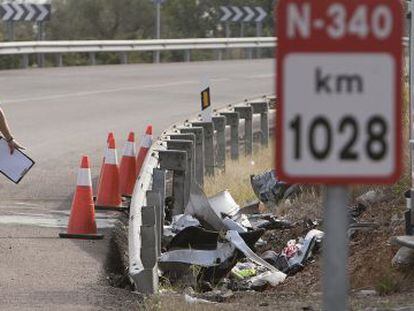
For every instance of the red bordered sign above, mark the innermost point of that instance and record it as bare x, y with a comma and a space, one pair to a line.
339, 89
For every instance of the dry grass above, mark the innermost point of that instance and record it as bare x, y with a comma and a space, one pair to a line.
236, 178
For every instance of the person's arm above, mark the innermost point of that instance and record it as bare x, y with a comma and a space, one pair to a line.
5, 130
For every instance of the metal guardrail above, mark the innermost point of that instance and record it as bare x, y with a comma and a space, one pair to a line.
58, 48
45, 47
183, 149
62, 47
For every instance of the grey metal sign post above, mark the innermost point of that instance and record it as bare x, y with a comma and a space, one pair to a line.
259, 25
411, 79
250, 14
225, 19
237, 17
227, 13
335, 278
40, 37
158, 4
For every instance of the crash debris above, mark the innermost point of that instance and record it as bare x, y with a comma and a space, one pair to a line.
215, 245
216, 248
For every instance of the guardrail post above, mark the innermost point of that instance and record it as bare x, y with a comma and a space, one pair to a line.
262, 107
146, 281
59, 60
188, 147
157, 57
40, 60
220, 127
272, 101
209, 161
246, 113
176, 161
123, 57
199, 146
220, 55
159, 184
232, 119
92, 58
188, 55
25, 61
154, 199
190, 137
249, 53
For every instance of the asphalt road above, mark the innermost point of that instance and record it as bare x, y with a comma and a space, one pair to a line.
60, 114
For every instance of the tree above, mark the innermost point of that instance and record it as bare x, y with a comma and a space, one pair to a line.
100, 19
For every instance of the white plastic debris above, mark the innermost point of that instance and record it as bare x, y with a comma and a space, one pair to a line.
223, 202
318, 234
224, 205
180, 222
269, 277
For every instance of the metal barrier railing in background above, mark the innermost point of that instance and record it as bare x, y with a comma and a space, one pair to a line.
181, 149
123, 47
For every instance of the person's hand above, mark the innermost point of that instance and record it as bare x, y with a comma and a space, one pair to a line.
13, 145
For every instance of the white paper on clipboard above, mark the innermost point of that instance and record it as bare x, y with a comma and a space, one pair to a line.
13, 166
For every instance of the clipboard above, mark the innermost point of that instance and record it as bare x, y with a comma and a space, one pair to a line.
14, 166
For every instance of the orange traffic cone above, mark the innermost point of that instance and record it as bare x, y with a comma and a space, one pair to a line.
128, 170
109, 195
82, 223
110, 136
145, 146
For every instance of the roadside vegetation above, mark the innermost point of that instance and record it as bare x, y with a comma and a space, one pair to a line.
374, 280
236, 177
134, 20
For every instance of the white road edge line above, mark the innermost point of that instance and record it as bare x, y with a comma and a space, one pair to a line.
128, 88
96, 92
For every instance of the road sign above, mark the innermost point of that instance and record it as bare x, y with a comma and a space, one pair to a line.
227, 13
29, 12
262, 14
206, 109
250, 14
205, 99
238, 14
339, 70
244, 14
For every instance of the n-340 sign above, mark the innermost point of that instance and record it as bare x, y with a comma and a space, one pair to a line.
339, 75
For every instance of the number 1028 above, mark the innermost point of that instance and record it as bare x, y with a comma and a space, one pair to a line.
320, 134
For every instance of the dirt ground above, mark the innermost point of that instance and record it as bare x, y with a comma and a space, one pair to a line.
271, 300
375, 284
